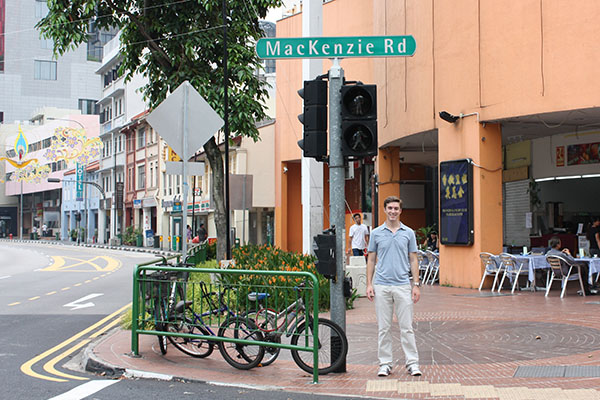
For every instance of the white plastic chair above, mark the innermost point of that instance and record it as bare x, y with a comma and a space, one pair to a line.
556, 264
490, 268
434, 267
512, 268
423, 265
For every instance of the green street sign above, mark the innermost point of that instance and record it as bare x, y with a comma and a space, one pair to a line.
336, 47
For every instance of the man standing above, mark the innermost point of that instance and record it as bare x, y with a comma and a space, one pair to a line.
594, 237
393, 247
359, 236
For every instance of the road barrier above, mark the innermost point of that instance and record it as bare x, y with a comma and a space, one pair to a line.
211, 296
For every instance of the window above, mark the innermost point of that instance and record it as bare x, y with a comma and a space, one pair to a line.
130, 179
87, 106
1, 117
119, 107
141, 138
141, 176
41, 9
120, 143
44, 70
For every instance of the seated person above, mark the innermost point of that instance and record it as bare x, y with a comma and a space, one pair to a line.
555, 250
432, 241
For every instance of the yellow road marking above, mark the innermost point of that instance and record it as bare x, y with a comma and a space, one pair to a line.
60, 264
34, 298
51, 293
26, 367
66, 288
78, 284
15, 303
49, 366
88, 281
95, 278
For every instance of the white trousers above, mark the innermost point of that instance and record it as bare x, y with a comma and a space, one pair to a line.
386, 299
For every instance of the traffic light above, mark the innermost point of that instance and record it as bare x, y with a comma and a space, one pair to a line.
314, 119
324, 248
359, 120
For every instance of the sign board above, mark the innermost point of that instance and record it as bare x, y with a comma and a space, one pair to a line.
137, 203
336, 47
193, 168
177, 206
168, 120
79, 170
456, 202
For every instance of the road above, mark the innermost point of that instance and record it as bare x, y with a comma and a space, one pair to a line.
55, 300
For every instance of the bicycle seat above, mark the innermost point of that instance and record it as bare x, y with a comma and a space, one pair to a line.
179, 307
253, 296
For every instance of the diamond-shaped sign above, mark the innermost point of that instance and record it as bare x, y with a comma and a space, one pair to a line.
168, 120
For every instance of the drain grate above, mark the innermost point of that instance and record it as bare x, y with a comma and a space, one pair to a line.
483, 294
558, 371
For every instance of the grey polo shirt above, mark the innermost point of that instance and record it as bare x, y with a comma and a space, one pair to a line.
392, 249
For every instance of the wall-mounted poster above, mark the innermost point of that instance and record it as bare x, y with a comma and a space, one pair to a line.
560, 156
456, 202
586, 153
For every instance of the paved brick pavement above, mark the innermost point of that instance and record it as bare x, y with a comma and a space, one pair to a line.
470, 346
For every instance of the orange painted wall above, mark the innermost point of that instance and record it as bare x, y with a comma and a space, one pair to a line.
294, 208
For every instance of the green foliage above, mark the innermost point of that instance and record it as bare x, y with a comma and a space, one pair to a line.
171, 44
280, 287
211, 250
130, 235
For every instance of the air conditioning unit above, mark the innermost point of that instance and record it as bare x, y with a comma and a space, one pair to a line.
349, 170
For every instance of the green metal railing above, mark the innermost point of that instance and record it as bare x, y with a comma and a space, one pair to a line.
225, 286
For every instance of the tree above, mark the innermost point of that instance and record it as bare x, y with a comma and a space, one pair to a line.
172, 41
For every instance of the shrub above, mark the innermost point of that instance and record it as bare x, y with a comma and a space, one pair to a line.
281, 288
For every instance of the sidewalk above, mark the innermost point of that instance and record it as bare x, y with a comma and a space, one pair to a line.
472, 346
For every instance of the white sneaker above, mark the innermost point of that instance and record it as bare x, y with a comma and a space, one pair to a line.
414, 370
384, 370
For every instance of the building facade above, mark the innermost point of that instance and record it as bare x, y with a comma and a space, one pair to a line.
30, 76
519, 78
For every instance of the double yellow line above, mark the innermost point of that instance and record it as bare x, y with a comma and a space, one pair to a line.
49, 366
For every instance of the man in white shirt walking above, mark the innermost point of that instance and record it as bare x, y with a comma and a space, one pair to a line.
359, 236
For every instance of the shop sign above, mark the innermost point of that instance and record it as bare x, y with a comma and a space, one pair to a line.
456, 202
149, 202
137, 203
177, 206
515, 174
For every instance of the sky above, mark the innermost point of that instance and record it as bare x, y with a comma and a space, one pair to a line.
276, 14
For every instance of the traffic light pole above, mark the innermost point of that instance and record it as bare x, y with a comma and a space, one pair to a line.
336, 192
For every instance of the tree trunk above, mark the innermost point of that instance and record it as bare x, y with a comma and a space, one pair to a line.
215, 159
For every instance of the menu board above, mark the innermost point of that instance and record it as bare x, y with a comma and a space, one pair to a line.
456, 202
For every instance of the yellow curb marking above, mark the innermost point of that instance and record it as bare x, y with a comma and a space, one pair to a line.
26, 368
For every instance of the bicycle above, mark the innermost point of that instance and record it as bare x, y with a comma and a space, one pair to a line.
164, 289
298, 323
186, 320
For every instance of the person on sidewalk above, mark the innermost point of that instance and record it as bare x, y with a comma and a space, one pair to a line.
392, 256
594, 237
359, 236
555, 250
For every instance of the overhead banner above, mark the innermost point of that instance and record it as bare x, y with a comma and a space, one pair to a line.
79, 195
456, 202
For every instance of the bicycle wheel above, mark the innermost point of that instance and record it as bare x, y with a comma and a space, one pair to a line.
160, 326
266, 320
241, 356
333, 346
199, 348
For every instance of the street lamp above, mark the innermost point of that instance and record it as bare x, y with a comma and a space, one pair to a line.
66, 119
94, 184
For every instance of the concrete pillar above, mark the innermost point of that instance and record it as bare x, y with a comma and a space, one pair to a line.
312, 171
467, 138
388, 172
101, 226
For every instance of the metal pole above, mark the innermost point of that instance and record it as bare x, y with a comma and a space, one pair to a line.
184, 172
336, 193
226, 129
244, 211
21, 223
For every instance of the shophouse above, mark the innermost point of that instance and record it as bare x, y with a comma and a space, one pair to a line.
515, 83
120, 101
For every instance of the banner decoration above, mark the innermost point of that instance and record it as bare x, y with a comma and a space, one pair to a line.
73, 145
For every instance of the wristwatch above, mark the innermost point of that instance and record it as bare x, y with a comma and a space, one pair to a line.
417, 284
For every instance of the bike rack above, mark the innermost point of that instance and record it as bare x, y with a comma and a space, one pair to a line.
141, 283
